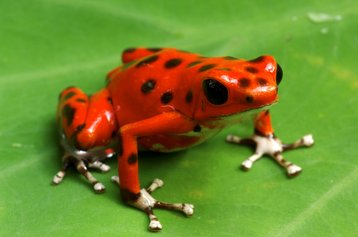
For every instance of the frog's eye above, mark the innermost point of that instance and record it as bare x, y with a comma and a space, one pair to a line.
279, 74
215, 92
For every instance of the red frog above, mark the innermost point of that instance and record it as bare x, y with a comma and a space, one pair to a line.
164, 99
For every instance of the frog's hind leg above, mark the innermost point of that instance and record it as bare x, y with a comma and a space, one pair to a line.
86, 127
86, 121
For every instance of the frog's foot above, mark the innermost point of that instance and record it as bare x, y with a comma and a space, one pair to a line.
147, 203
82, 168
273, 147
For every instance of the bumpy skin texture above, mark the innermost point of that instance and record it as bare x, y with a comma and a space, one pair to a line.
166, 100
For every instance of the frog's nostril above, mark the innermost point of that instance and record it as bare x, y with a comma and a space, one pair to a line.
249, 99
279, 74
262, 81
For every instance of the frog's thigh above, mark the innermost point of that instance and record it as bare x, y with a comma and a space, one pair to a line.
100, 122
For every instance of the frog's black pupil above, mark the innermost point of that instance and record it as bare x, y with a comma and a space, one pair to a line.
215, 92
279, 74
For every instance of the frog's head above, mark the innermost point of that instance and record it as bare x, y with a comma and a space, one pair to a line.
237, 86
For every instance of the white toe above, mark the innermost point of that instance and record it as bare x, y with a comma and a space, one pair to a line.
158, 182
188, 209
247, 164
155, 225
105, 168
293, 170
232, 138
99, 187
115, 179
58, 178
229, 138
308, 140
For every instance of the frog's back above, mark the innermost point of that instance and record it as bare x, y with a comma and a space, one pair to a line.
151, 82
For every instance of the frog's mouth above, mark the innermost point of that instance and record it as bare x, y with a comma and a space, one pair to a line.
257, 110
248, 114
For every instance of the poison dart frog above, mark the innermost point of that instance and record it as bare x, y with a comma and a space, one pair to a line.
164, 99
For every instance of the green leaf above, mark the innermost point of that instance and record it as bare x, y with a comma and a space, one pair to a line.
47, 45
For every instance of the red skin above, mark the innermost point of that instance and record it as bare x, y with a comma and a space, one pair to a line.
157, 101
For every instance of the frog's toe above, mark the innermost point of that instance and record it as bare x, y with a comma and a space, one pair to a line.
115, 179
99, 165
233, 139
246, 165
157, 183
155, 225
105, 168
308, 140
293, 170
58, 177
99, 187
188, 209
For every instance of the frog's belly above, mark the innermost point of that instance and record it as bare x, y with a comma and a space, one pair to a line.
174, 142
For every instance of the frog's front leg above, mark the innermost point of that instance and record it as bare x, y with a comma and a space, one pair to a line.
131, 193
265, 143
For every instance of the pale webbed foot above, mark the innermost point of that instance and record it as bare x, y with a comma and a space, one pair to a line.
81, 167
273, 147
147, 203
